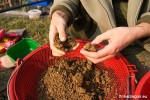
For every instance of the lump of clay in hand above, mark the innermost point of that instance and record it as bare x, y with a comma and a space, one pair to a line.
90, 47
67, 45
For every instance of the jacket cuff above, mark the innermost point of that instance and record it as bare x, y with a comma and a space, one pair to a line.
145, 42
65, 10
144, 18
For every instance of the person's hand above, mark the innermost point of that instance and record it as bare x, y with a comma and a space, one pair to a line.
58, 26
118, 38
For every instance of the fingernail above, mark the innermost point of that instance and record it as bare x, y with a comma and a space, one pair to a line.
63, 53
93, 42
62, 38
81, 51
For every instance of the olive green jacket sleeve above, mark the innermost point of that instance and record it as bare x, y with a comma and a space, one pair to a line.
70, 7
134, 10
144, 18
145, 42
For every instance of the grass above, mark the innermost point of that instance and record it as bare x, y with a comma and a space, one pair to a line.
36, 29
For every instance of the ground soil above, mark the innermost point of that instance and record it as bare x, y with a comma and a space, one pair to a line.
75, 80
8, 22
4, 77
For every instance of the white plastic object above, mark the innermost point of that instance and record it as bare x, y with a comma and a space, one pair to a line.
34, 13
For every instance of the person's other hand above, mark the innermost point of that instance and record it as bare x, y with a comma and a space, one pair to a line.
118, 38
58, 26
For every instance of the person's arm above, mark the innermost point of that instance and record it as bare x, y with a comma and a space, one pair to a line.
144, 30
144, 42
118, 39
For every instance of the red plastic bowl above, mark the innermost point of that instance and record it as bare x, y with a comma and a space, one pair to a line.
142, 91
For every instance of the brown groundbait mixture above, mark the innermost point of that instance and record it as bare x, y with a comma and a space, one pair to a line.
66, 45
90, 47
75, 80
78, 79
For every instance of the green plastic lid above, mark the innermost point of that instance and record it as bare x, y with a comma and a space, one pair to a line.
22, 48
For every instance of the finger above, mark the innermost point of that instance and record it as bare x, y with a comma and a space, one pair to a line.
56, 54
88, 53
107, 50
61, 27
100, 38
52, 34
62, 34
95, 61
74, 48
57, 50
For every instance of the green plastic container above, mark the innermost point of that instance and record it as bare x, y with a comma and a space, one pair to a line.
22, 48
